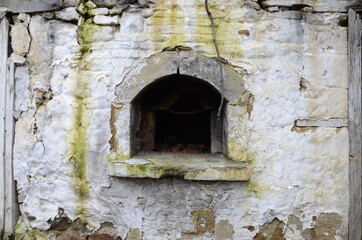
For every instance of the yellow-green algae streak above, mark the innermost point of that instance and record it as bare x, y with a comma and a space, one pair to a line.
171, 26
79, 144
167, 24
239, 154
26, 233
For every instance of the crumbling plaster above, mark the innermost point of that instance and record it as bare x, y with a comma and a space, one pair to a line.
293, 63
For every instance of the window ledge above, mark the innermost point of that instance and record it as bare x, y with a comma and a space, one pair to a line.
206, 167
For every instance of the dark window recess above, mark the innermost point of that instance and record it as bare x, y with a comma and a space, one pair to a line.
180, 132
177, 114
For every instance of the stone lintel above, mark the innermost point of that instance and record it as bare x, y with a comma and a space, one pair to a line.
319, 6
204, 167
322, 123
18, 6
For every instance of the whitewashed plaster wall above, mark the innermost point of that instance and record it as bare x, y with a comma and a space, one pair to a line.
294, 62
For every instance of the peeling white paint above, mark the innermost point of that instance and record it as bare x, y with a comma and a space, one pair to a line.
300, 173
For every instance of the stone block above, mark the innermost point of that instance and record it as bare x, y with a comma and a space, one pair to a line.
99, 11
71, 3
18, 6
68, 14
16, 58
113, 3
105, 20
20, 39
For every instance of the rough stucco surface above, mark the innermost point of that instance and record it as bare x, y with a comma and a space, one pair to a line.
294, 66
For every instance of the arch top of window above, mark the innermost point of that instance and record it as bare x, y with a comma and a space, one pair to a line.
188, 63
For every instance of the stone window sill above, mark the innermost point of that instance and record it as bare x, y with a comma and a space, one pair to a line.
204, 167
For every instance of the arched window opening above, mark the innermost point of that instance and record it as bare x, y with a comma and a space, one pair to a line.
177, 113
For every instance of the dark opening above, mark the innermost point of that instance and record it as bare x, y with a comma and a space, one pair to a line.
182, 132
177, 114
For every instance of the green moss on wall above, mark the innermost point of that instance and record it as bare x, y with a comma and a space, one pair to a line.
237, 153
86, 32
171, 26
23, 232
253, 188
146, 170
168, 24
137, 170
79, 143
120, 156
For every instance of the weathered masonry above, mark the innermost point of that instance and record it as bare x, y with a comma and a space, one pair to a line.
180, 119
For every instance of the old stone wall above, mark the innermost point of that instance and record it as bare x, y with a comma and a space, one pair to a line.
292, 56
